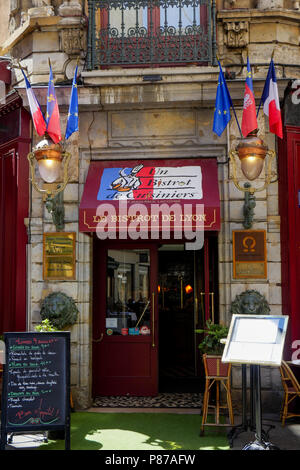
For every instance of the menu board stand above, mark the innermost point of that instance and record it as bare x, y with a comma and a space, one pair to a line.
36, 384
247, 423
257, 340
261, 437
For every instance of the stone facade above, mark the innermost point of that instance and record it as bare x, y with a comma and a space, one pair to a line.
113, 100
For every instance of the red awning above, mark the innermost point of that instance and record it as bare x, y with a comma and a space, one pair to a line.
184, 191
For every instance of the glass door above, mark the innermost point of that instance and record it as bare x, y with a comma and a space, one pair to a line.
186, 300
125, 336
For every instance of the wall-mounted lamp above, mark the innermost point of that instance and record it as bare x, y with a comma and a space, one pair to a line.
252, 154
50, 159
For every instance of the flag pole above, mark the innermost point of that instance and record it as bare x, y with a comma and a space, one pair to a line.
233, 109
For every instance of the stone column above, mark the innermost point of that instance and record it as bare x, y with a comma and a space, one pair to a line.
72, 31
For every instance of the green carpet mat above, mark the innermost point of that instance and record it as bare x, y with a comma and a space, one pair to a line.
140, 431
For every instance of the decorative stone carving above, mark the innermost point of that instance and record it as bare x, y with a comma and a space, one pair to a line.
24, 17
60, 309
41, 3
11, 25
14, 6
70, 8
41, 8
73, 40
250, 302
236, 34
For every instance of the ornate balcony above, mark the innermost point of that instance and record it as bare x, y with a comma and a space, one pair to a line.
151, 33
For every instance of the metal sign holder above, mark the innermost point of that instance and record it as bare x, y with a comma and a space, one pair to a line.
257, 340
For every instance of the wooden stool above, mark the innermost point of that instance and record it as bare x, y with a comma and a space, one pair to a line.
216, 372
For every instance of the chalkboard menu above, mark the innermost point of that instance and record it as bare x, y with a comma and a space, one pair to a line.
36, 383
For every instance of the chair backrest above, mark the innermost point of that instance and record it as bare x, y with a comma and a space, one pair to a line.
288, 378
214, 367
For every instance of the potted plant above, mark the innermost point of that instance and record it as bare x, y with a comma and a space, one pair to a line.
45, 326
216, 372
212, 348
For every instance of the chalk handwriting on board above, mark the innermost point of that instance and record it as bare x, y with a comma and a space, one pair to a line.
34, 380
36, 384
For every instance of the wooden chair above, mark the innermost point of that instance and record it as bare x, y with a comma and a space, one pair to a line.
219, 373
291, 389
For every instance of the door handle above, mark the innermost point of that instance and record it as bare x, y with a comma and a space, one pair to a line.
212, 308
153, 319
99, 339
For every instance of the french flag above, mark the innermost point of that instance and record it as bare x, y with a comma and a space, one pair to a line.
35, 109
270, 102
249, 120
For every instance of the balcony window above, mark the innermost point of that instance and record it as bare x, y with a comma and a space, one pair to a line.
143, 33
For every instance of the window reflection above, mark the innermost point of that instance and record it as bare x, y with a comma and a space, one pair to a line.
128, 299
178, 17
183, 16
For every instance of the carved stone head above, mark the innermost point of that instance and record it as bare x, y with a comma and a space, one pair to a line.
250, 302
60, 309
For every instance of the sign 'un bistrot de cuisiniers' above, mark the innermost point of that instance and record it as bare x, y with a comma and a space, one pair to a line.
153, 191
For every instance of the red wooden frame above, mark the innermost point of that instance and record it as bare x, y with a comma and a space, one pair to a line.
13, 258
289, 185
103, 344
121, 384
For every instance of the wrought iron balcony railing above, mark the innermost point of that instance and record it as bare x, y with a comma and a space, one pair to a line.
151, 33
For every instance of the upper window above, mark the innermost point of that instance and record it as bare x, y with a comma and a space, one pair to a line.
149, 33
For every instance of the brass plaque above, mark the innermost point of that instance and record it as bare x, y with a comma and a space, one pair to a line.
59, 256
249, 254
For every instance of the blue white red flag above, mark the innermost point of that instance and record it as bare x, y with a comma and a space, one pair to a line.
72, 123
270, 100
35, 109
249, 121
52, 116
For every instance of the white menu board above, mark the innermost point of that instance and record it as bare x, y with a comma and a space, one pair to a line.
256, 339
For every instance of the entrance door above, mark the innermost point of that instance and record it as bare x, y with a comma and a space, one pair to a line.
125, 320
186, 299
148, 301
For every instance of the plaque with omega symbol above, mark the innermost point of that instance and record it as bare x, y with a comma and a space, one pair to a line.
249, 254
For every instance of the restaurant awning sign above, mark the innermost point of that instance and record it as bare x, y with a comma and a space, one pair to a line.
151, 192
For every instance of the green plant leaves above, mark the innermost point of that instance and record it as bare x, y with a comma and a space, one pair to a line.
213, 333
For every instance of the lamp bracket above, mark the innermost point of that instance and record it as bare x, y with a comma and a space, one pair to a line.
248, 209
55, 206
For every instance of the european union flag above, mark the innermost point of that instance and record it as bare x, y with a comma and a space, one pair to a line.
222, 107
72, 123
